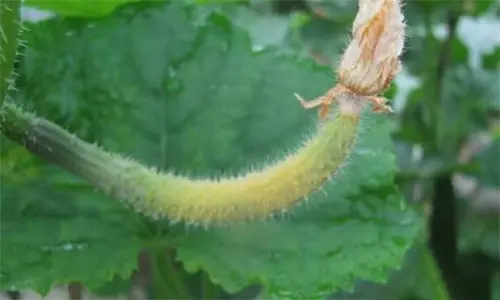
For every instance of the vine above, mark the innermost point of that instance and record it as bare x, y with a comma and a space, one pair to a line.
10, 27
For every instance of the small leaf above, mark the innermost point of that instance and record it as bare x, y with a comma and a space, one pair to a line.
334, 10
79, 8
489, 159
467, 95
479, 231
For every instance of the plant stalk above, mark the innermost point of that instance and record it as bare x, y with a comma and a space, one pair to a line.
10, 27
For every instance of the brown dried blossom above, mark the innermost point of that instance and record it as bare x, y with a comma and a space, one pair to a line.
372, 58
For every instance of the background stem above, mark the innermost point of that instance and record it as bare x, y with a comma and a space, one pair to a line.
165, 280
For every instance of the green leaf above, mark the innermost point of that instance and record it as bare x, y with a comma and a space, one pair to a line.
183, 91
438, 7
52, 235
265, 28
489, 159
114, 288
418, 278
492, 60
496, 286
421, 57
323, 39
205, 2
480, 7
468, 94
338, 10
479, 231
79, 8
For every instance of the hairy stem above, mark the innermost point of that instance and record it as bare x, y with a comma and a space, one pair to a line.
273, 189
9, 33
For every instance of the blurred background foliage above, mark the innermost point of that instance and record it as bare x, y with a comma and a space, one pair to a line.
447, 133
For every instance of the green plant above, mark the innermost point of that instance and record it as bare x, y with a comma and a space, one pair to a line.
177, 86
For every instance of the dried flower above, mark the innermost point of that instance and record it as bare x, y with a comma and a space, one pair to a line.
371, 60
